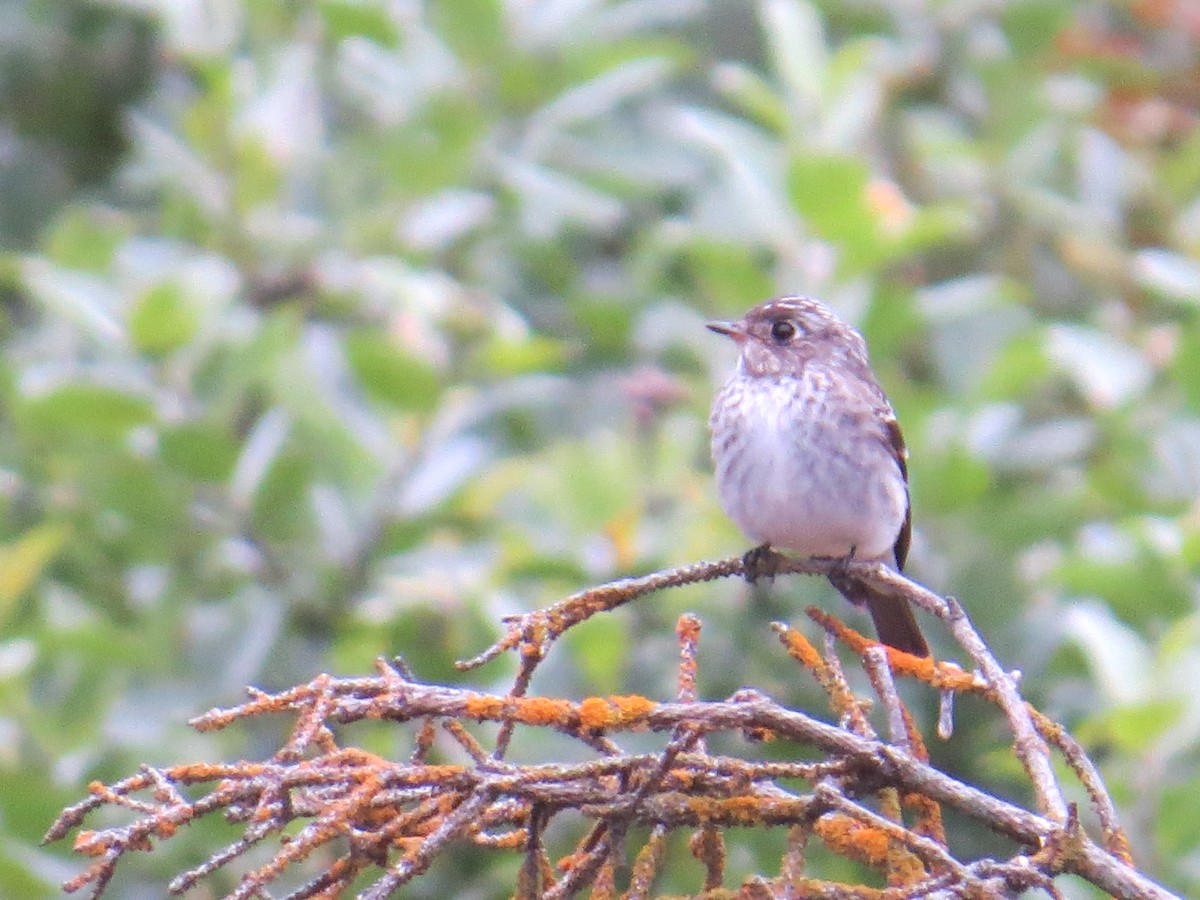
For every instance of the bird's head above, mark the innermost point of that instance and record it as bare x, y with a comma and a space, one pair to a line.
779, 337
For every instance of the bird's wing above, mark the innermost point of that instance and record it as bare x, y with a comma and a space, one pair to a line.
900, 452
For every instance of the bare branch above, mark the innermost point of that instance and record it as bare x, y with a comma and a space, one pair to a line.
398, 816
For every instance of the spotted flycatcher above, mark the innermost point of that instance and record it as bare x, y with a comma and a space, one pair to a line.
808, 453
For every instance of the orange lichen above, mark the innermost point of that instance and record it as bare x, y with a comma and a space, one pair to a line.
87, 843
801, 649
166, 828
928, 817
920, 667
542, 711
599, 713
817, 887
484, 709
735, 810
904, 868
854, 839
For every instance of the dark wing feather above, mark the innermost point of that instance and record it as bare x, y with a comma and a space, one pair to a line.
904, 538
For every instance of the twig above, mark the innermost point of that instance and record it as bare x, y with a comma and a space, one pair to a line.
398, 816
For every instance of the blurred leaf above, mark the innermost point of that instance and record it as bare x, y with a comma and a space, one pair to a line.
1032, 25
795, 35
281, 508
1180, 170
1134, 728
730, 277
144, 509
1126, 586
1107, 372
353, 18
1176, 820
85, 410
606, 328
1020, 367
258, 455
829, 190
500, 358
258, 176
601, 649
391, 375
1170, 275
1186, 366
595, 480
200, 450
933, 225
32, 799
442, 472
80, 239
849, 61
162, 320
83, 299
951, 480
748, 90
428, 635
475, 29
23, 561
436, 151
1117, 655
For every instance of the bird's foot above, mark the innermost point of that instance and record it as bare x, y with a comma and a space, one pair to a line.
761, 562
839, 575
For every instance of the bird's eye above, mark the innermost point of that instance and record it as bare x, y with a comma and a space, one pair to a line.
783, 330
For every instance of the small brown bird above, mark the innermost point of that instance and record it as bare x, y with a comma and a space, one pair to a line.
808, 453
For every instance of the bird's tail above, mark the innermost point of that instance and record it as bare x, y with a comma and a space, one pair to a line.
893, 617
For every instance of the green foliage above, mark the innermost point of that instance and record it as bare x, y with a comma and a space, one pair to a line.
347, 328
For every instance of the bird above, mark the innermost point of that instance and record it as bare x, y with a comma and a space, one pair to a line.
808, 454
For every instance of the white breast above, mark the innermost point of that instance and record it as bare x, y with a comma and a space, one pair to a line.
813, 477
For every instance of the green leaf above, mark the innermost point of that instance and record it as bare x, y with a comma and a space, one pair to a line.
1175, 823
729, 277
202, 451
23, 561
1139, 590
85, 410
1033, 25
594, 478
281, 508
354, 18
1135, 728
954, 480
741, 86
830, 191
1018, 369
80, 240
162, 321
475, 29
601, 649
258, 176
437, 150
1180, 168
390, 375
533, 354
1186, 366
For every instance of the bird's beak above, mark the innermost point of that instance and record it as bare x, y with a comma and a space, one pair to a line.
729, 329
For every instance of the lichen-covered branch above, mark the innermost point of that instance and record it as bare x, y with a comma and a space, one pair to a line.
877, 802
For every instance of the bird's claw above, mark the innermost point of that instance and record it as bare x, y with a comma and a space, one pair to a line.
760, 562
839, 575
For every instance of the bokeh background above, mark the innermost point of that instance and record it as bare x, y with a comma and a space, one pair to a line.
341, 328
